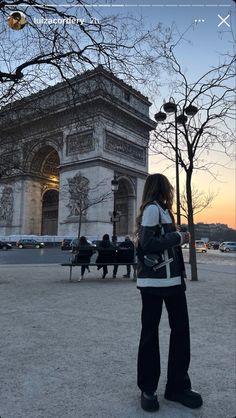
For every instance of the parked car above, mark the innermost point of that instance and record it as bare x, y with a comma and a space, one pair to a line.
5, 246
213, 245
29, 243
227, 247
200, 246
66, 244
96, 242
75, 244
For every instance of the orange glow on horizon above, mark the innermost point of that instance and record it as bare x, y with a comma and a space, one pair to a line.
214, 216
223, 208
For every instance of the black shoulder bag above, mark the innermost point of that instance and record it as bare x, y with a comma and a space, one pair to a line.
154, 261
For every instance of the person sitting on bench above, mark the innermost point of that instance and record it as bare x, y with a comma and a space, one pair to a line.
125, 254
85, 252
106, 253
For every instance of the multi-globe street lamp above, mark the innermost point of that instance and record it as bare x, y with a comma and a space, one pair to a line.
181, 117
114, 188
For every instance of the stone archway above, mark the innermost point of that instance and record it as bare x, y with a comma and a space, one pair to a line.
50, 202
44, 170
45, 163
125, 205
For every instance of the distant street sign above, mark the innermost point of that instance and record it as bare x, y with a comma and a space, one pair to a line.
116, 219
117, 213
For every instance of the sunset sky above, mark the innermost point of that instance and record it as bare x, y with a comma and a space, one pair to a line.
222, 209
207, 41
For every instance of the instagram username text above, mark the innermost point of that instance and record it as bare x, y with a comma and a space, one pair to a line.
65, 21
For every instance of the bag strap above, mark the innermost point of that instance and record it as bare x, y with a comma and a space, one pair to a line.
160, 223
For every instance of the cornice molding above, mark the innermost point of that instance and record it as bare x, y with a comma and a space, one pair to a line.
102, 162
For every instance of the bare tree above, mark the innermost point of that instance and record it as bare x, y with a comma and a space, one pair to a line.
200, 201
82, 196
212, 97
57, 43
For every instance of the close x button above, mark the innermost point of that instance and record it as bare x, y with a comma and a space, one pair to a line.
223, 20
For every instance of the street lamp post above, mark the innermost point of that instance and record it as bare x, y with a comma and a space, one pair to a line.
171, 107
177, 172
114, 188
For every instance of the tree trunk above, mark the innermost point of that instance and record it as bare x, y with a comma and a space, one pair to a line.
192, 250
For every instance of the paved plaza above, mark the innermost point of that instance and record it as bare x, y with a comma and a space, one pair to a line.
69, 350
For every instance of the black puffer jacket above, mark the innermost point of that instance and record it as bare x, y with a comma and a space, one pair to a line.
84, 254
106, 252
158, 235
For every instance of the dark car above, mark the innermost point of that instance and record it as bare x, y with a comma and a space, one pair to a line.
5, 246
96, 242
213, 245
29, 243
74, 245
66, 244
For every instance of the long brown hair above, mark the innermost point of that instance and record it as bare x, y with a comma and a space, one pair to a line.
157, 187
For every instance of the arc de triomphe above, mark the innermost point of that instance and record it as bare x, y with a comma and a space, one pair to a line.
72, 139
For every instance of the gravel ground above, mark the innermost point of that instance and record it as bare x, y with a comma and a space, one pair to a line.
69, 350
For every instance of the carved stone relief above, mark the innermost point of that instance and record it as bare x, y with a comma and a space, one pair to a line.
6, 205
78, 195
80, 142
123, 147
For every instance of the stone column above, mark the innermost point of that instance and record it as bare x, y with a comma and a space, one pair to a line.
31, 209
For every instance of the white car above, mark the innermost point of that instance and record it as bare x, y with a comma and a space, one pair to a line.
200, 246
227, 247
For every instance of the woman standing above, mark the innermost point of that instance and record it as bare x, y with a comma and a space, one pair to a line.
161, 279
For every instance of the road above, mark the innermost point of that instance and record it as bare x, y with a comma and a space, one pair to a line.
56, 256
214, 257
34, 256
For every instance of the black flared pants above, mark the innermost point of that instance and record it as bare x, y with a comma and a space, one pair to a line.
179, 347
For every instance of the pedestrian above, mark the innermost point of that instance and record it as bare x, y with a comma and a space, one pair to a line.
160, 279
106, 253
115, 267
125, 254
85, 251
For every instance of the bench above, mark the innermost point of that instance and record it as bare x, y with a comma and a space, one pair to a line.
71, 265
